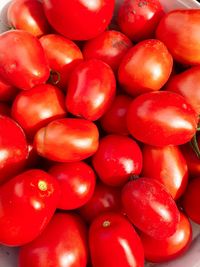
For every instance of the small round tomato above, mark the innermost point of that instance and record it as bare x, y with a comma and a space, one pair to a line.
7, 92
145, 67
171, 247
114, 242
117, 159
62, 244
150, 207
77, 182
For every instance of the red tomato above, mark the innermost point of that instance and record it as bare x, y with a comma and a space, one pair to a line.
175, 29
62, 55
77, 181
7, 92
91, 89
117, 159
104, 198
62, 244
191, 200
28, 15
145, 67
162, 118
114, 242
138, 19
13, 148
110, 47
114, 120
5, 109
28, 202
170, 248
67, 140
26, 66
81, 19
150, 207
36, 107
168, 166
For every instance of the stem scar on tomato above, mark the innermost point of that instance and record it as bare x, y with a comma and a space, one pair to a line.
42, 185
106, 224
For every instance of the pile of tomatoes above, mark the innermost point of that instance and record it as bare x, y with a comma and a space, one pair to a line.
99, 114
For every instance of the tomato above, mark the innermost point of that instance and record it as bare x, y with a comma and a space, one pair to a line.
7, 92
170, 248
91, 89
176, 40
13, 148
138, 19
117, 159
62, 55
162, 118
36, 107
145, 67
110, 46
104, 198
62, 243
168, 166
28, 202
191, 200
81, 19
67, 140
77, 182
28, 15
150, 207
26, 66
114, 242
5, 109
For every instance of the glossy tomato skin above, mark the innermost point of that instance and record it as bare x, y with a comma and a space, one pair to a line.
114, 242
105, 198
145, 67
89, 20
62, 55
77, 181
7, 92
27, 65
176, 40
90, 99
167, 165
114, 119
36, 107
67, 140
63, 243
110, 47
117, 159
28, 202
150, 207
28, 15
13, 147
170, 248
139, 19
162, 118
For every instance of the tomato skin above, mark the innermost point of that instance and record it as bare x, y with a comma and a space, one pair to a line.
67, 140
110, 46
13, 148
176, 40
36, 107
62, 243
21, 68
89, 20
28, 202
145, 67
168, 166
117, 158
171, 247
77, 181
7, 92
138, 19
161, 118
111, 234
65, 60
150, 207
28, 15
90, 99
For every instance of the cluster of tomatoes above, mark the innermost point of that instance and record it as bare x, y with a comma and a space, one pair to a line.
99, 112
